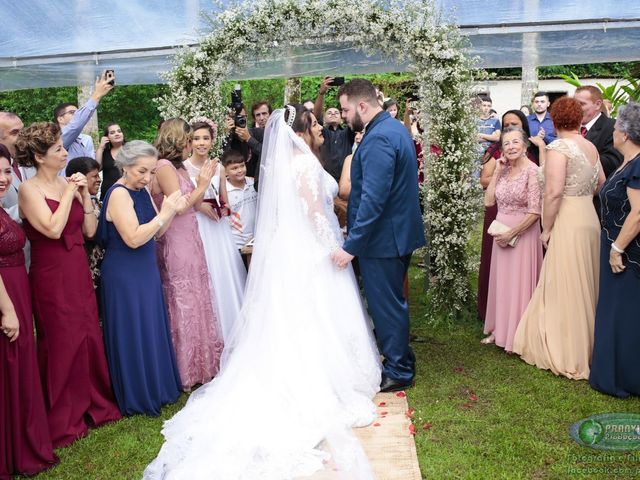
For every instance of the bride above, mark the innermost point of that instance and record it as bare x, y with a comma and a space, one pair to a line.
300, 367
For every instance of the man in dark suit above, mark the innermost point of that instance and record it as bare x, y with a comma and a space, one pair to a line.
384, 224
597, 127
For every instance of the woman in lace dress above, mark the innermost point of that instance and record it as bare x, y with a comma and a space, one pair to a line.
301, 366
514, 268
228, 273
195, 330
556, 330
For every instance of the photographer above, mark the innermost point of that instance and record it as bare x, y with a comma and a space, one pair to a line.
72, 119
247, 141
338, 139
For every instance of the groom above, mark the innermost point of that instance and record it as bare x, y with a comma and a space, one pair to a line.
384, 223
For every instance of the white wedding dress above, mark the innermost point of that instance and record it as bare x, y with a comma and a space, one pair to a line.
300, 367
227, 272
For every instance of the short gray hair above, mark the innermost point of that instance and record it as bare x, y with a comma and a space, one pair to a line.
132, 151
523, 134
629, 121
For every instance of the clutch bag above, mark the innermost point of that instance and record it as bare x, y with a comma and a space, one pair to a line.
497, 228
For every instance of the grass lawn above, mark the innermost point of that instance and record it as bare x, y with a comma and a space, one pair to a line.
490, 414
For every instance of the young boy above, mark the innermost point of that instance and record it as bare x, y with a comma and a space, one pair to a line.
242, 197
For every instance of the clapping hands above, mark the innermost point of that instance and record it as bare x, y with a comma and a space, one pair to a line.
205, 175
77, 182
176, 202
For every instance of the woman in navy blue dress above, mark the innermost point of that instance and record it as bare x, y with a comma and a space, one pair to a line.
616, 355
136, 332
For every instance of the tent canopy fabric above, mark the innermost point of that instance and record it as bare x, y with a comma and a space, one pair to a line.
53, 43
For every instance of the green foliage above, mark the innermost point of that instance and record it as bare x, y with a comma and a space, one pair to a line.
36, 105
616, 93
133, 108
591, 70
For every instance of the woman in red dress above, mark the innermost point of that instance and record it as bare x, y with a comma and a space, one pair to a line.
57, 212
25, 443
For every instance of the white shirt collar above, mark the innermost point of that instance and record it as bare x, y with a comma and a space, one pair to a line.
593, 120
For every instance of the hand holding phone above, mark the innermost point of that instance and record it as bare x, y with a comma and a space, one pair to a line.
336, 82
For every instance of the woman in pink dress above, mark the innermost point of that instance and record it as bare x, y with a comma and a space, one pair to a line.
195, 330
57, 212
25, 443
514, 268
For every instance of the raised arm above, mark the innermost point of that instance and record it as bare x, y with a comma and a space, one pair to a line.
80, 118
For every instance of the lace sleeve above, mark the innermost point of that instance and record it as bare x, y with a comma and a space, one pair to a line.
533, 191
310, 188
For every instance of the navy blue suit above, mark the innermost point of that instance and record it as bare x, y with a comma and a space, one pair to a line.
385, 227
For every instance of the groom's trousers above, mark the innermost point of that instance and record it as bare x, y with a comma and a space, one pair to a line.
383, 280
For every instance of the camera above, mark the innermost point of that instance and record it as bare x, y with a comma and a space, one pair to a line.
236, 106
336, 82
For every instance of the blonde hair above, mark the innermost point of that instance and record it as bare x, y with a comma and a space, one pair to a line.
172, 138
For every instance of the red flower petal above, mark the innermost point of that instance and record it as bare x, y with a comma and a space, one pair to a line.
401, 394
382, 404
376, 424
473, 398
412, 429
409, 413
426, 426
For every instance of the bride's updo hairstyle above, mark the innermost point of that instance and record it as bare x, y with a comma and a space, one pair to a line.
302, 122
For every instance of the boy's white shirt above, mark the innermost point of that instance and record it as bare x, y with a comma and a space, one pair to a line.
242, 201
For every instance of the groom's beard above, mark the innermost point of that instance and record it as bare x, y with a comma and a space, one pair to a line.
357, 125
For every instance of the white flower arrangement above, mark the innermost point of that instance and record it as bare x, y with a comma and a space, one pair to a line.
409, 31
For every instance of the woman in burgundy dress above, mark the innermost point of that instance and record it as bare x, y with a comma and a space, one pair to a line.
57, 212
25, 443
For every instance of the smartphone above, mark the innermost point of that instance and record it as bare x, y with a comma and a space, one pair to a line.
413, 97
110, 74
336, 82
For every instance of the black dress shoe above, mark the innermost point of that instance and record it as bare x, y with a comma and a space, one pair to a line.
391, 385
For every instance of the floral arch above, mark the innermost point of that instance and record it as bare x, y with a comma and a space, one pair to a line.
410, 31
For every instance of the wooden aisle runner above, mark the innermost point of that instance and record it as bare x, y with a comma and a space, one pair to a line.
388, 443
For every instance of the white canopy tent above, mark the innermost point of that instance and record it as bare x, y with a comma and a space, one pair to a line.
46, 43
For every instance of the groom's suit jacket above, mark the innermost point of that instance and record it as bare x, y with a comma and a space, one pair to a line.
601, 135
383, 217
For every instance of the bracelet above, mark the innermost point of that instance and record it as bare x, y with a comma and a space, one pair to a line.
160, 222
616, 249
